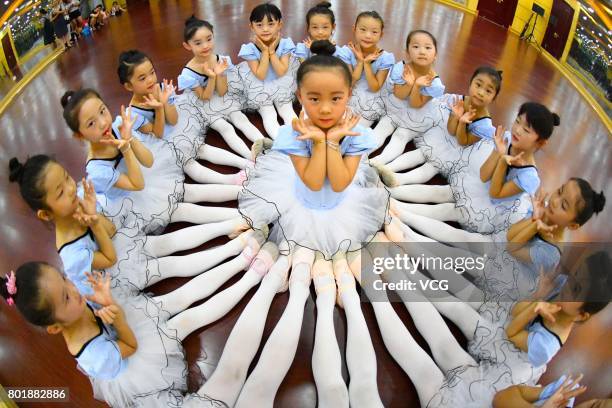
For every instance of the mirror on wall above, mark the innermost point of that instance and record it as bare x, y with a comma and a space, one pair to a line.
33, 31
591, 52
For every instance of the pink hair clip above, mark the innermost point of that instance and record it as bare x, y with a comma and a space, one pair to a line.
11, 283
11, 286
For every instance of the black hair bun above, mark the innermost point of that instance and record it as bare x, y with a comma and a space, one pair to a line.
323, 47
191, 20
15, 170
599, 201
66, 98
324, 4
556, 119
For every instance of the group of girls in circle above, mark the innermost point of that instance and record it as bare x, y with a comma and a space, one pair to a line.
308, 198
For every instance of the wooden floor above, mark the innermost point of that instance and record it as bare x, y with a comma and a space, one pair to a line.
33, 124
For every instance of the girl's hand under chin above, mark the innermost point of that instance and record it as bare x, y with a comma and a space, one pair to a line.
307, 130
344, 128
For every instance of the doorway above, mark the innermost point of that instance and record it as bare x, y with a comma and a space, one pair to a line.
559, 25
500, 12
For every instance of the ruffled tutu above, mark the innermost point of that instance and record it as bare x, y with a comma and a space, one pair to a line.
475, 386
480, 213
220, 107
163, 190
403, 116
188, 134
269, 196
366, 103
265, 93
158, 364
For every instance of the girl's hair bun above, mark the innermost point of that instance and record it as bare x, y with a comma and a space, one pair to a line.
15, 170
556, 119
323, 47
66, 98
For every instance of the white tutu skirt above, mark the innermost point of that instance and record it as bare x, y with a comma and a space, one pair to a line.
189, 133
476, 386
403, 116
157, 366
265, 93
269, 196
479, 212
220, 107
152, 206
369, 105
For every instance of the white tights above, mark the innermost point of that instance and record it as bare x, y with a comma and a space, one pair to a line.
203, 174
221, 156
241, 346
396, 146
326, 359
199, 214
228, 133
211, 193
191, 237
279, 351
196, 263
243, 123
360, 356
269, 117
421, 193
383, 129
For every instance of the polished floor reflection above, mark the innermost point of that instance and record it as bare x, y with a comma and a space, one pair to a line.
33, 124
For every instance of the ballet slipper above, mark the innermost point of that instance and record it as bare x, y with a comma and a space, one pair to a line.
303, 255
386, 175
260, 145
240, 178
265, 258
393, 231
354, 263
281, 267
239, 229
306, 279
252, 241
340, 267
320, 269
